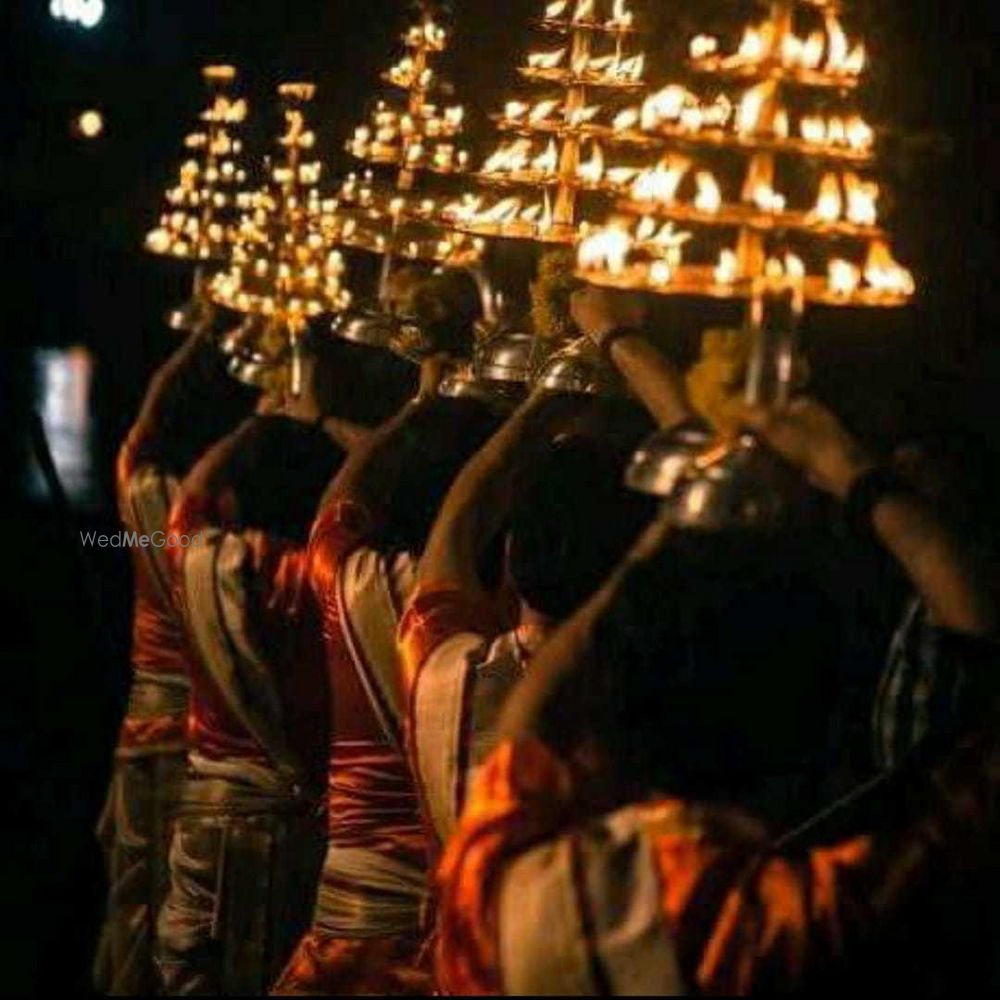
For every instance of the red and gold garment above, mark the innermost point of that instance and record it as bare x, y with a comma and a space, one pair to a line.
368, 926
247, 843
258, 685
148, 776
157, 716
656, 899
458, 673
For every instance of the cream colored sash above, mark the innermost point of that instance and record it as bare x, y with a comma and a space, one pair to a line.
458, 700
217, 580
629, 945
146, 504
369, 614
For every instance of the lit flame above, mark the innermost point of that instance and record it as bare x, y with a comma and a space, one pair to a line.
708, 197
703, 46
621, 16
606, 249
665, 105
592, 170
753, 46
662, 181
883, 273
547, 162
843, 277
728, 268
766, 198
541, 111
546, 60
862, 197
751, 106
625, 120
829, 203
511, 158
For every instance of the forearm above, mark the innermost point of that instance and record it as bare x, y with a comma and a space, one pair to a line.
656, 382
215, 471
550, 688
476, 505
944, 576
173, 376
369, 470
345, 434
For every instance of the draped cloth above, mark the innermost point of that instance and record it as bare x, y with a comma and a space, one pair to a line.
135, 830
147, 774
655, 899
248, 841
244, 861
369, 920
458, 680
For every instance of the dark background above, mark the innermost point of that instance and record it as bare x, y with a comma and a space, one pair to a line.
74, 215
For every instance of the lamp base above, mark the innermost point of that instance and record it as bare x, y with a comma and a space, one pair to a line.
579, 368
742, 486
191, 316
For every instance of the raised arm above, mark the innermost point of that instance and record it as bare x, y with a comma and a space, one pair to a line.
811, 438
374, 461
614, 322
180, 373
478, 501
551, 701
206, 494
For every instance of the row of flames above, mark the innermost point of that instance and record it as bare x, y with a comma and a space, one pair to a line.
411, 140
842, 197
827, 50
195, 226
678, 108
613, 68
584, 13
508, 216
612, 250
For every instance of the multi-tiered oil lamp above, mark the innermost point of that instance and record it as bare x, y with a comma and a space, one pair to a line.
201, 211
283, 272
555, 151
768, 233
409, 147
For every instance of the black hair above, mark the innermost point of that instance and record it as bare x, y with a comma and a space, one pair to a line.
712, 673
572, 522
447, 306
281, 476
430, 448
210, 406
364, 385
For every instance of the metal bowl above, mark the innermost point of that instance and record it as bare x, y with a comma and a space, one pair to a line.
241, 336
747, 487
194, 315
509, 356
370, 327
665, 458
579, 368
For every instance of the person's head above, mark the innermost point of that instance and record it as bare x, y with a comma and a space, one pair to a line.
573, 521
714, 670
281, 476
445, 308
429, 449
361, 384
208, 408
